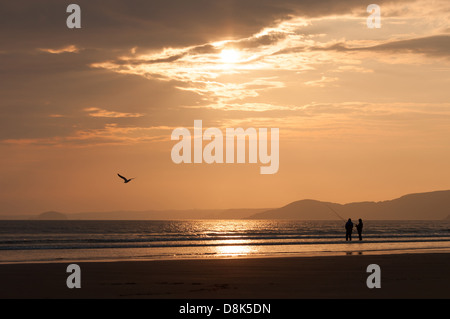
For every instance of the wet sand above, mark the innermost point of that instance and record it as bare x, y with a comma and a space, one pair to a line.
402, 276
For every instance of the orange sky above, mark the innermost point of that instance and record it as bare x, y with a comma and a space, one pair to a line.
364, 114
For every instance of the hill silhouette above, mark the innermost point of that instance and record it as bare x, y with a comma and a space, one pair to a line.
51, 216
431, 205
421, 206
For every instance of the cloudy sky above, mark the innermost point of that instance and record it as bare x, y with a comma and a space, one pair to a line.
364, 114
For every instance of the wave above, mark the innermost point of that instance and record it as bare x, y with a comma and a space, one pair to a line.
189, 243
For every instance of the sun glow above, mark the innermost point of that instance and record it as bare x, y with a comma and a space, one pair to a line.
229, 56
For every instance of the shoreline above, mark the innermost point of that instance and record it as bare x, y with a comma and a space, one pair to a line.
404, 275
304, 254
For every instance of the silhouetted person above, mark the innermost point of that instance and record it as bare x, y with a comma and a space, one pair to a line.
359, 228
348, 230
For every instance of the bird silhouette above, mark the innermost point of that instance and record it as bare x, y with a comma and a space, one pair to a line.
125, 180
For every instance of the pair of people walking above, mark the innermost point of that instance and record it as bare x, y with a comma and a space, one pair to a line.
349, 229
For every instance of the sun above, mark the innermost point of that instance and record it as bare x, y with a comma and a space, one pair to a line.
229, 56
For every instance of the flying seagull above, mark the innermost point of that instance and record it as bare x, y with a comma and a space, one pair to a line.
125, 180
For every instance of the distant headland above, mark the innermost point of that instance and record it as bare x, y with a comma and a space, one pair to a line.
420, 206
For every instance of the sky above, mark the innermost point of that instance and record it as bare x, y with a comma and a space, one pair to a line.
363, 113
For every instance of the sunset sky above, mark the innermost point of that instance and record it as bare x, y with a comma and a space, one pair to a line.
363, 114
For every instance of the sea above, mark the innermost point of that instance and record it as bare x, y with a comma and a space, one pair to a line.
36, 241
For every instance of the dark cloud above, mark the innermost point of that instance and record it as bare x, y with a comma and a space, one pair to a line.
122, 24
140, 61
125, 24
438, 45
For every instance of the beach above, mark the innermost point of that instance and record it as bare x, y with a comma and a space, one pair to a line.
418, 275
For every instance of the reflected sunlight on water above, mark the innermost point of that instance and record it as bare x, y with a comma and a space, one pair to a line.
229, 251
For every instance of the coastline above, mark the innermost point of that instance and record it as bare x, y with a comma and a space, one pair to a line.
216, 251
297, 254
405, 275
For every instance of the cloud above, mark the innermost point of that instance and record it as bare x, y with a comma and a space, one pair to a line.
244, 107
436, 45
67, 49
143, 24
110, 134
352, 68
201, 69
97, 112
160, 61
425, 121
322, 82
